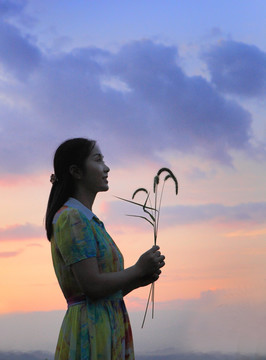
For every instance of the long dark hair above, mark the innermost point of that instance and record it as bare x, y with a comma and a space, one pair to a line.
70, 152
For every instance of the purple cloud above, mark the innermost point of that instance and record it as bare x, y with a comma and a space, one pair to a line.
138, 99
254, 213
21, 232
11, 8
185, 113
7, 254
18, 56
237, 68
243, 213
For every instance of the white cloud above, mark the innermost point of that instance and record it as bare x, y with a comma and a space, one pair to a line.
215, 322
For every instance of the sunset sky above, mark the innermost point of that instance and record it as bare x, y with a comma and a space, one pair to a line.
178, 84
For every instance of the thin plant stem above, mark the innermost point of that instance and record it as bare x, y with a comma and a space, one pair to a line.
155, 240
135, 203
156, 215
146, 211
147, 305
153, 211
153, 302
160, 203
142, 217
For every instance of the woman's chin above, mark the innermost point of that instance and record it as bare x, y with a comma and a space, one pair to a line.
105, 188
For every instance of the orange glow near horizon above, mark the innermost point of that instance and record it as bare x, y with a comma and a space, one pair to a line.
200, 256
194, 266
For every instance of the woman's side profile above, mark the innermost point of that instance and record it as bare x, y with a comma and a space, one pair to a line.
88, 264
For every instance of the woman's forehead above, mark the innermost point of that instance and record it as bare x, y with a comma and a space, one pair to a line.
96, 150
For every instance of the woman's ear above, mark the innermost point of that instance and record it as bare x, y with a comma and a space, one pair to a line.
75, 172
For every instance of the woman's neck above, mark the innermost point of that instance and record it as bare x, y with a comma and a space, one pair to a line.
86, 198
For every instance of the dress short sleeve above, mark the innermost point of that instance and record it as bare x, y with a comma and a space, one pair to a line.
74, 237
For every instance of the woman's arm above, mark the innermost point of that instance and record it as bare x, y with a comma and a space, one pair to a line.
141, 282
97, 285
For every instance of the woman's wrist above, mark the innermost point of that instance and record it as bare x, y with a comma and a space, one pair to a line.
135, 280
137, 272
134, 285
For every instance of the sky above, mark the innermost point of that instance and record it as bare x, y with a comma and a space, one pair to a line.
177, 84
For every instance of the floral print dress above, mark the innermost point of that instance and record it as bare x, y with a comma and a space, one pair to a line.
91, 330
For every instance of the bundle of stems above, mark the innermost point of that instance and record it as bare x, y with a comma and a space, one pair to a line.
152, 216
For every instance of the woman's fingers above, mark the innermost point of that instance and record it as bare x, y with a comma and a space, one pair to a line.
151, 261
159, 258
155, 277
154, 249
160, 265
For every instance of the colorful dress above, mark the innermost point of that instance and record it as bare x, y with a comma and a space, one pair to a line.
91, 330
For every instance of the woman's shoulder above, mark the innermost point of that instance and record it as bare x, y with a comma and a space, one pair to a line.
73, 212
66, 213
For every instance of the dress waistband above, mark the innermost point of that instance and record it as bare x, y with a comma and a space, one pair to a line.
81, 299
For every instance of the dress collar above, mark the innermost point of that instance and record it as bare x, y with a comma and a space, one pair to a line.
74, 203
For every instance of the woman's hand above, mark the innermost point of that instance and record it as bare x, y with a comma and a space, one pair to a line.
149, 279
97, 285
149, 264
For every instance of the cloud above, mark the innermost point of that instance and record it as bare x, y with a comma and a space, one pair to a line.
11, 8
242, 213
21, 232
39, 355
7, 254
33, 355
215, 32
247, 213
17, 55
138, 99
215, 322
237, 68
199, 356
184, 113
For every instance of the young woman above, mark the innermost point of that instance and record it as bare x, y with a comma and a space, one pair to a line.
87, 263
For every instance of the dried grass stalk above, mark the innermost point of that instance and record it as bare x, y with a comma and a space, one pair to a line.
154, 214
